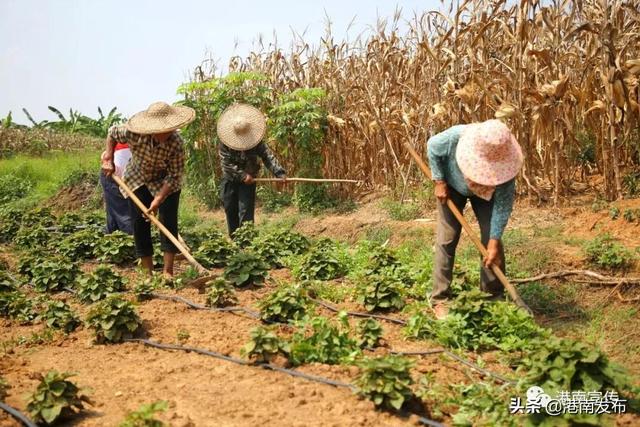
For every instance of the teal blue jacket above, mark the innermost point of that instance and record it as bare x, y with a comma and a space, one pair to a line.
441, 150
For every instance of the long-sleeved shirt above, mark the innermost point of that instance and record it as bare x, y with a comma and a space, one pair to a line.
152, 163
441, 150
236, 165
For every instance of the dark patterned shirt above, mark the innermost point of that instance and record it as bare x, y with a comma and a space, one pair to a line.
236, 165
152, 163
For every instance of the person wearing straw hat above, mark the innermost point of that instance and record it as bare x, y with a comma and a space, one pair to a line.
241, 128
154, 173
476, 162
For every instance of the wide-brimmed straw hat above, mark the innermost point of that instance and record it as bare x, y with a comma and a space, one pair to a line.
488, 153
241, 127
160, 117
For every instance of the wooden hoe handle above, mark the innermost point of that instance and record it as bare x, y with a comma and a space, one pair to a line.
160, 226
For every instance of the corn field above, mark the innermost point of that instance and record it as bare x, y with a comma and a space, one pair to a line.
563, 74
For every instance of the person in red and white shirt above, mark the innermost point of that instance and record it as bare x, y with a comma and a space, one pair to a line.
117, 207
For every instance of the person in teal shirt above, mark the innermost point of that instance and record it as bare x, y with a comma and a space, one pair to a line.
476, 162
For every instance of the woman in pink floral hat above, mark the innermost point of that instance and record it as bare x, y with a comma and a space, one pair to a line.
476, 162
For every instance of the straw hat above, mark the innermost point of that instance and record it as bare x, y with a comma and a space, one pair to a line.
160, 117
488, 153
241, 127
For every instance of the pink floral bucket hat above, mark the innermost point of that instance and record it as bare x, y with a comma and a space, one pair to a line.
488, 153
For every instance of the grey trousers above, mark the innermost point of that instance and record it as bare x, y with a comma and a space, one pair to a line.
447, 237
239, 201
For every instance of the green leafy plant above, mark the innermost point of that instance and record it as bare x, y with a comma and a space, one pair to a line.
56, 398
116, 248
97, 285
16, 305
29, 236
113, 319
276, 246
215, 251
264, 345
286, 304
7, 283
320, 340
148, 285
13, 187
246, 268
82, 244
382, 291
604, 251
144, 416
614, 212
386, 381
28, 261
369, 333
565, 365
321, 263
631, 215
54, 274
245, 234
483, 404
475, 323
58, 315
220, 293
272, 200
10, 221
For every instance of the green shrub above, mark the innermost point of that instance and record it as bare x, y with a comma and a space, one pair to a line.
369, 333
81, 176
13, 187
245, 234
276, 246
322, 341
220, 293
54, 274
81, 245
264, 345
17, 306
215, 251
313, 198
116, 248
382, 291
483, 404
246, 268
97, 285
29, 237
386, 381
145, 415
113, 319
286, 304
148, 285
55, 398
38, 217
28, 261
59, 315
476, 323
631, 183
605, 252
10, 221
321, 263
69, 221
559, 365
7, 283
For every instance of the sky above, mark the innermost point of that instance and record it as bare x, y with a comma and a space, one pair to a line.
82, 54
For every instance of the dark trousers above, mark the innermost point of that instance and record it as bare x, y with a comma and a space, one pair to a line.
117, 207
447, 237
239, 201
142, 228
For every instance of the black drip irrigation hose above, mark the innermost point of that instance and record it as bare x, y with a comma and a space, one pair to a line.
292, 372
358, 314
17, 415
334, 309
177, 298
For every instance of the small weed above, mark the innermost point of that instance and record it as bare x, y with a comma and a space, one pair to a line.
605, 252
55, 398
220, 293
264, 345
144, 416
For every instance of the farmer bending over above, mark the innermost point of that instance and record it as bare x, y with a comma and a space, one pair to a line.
154, 173
241, 128
476, 162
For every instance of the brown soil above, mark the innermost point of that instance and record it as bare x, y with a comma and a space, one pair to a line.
73, 197
204, 391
